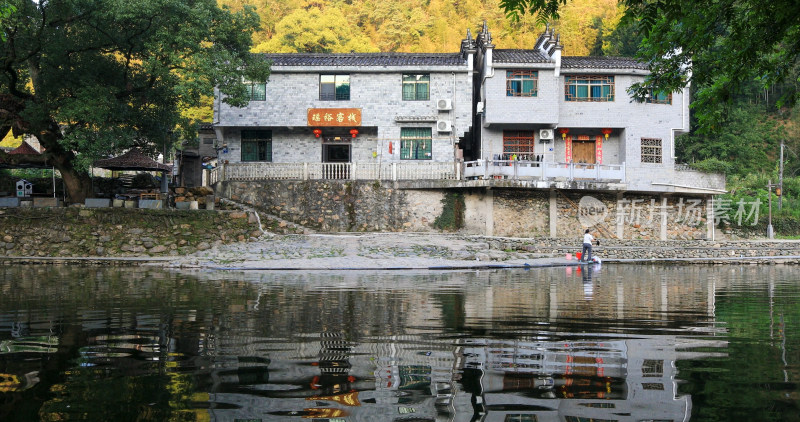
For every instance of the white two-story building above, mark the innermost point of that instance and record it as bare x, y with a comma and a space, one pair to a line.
356, 115
560, 117
507, 130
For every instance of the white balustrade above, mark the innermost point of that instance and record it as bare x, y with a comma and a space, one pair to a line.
540, 170
480, 169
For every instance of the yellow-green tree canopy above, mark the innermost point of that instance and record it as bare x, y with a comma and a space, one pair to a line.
314, 30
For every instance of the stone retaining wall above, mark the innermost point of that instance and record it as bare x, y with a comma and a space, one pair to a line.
118, 232
340, 206
363, 206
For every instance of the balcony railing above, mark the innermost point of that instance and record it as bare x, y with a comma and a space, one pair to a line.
337, 171
481, 169
539, 170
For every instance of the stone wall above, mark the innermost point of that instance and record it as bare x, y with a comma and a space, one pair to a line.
362, 206
521, 213
118, 232
341, 206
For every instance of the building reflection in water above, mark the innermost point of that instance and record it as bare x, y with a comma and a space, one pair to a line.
554, 344
513, 371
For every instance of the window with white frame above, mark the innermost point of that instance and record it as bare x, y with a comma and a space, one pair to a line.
652, 150
334, 87
416, 87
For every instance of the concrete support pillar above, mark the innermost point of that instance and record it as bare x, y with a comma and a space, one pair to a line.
664, 216
553, 308
620, 217
489, 212
553, 214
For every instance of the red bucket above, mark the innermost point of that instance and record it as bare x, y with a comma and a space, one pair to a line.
578, 255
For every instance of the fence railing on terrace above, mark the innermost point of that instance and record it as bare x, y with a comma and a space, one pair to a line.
481, 169
337, 171
540, 170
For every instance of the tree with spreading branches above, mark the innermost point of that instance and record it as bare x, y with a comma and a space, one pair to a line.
92, 78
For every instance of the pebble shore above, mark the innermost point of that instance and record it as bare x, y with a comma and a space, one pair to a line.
365, 251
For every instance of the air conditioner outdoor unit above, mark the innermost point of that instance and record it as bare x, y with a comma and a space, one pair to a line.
546, 135
444, 104
444, 126
479, 107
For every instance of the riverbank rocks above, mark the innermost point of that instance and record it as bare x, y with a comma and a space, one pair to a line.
638, 249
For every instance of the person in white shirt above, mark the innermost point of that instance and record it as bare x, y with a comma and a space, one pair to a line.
586, 254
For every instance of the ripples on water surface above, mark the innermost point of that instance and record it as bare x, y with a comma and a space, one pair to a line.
622, 343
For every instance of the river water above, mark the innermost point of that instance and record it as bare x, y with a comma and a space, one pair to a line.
610, 343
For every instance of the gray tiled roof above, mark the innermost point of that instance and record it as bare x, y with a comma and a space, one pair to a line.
587, 62
501, 55
365, 59
567, 62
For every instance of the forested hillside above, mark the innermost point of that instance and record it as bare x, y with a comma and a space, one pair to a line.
420, 26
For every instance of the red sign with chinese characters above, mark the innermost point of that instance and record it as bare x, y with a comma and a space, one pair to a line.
568, 149
334, 117
599, 151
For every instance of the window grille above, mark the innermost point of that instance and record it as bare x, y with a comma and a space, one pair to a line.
659, 97
520, 142
522, 83
589, 88
651, 150
257, 92
415, 143
256, 145
652, 368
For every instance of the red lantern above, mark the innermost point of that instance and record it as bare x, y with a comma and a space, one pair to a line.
390, 147
606, 132
354, 132
317, 132
563, 131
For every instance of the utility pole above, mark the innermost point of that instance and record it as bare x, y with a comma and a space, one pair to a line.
780, 180
770, 232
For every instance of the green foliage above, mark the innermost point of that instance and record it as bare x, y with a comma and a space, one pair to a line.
544, 10
452, 217
747, 191
713, 165
6, 9
718, 46
746, 136
620, 39
90, 78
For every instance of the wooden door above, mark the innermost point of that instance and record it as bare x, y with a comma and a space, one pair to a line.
583, 152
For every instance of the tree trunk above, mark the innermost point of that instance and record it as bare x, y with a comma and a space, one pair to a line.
78, 186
